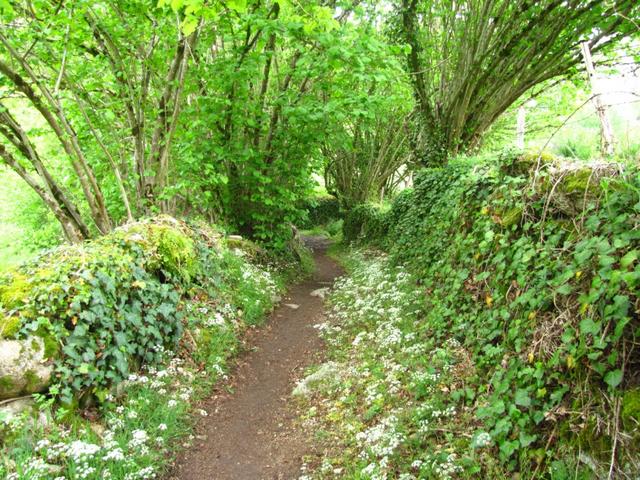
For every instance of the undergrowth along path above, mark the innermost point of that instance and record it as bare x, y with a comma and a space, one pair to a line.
250, 432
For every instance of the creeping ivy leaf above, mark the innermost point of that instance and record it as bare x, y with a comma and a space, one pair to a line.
522, 398
629, 258
613, 378
526, 439
588, 326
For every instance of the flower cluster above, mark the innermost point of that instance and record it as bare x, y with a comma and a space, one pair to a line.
394, 380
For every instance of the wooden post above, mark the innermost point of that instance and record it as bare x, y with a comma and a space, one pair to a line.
520, 127
606, 132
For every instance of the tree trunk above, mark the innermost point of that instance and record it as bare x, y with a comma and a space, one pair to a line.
67, 137
72, 232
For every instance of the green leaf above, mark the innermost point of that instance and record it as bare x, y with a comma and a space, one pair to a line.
588, 326
629, 258
189, 25
613, 378
507, 448
526, 439
239, 6
522, 398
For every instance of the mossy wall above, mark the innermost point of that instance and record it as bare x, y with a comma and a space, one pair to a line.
107, 306
533, 267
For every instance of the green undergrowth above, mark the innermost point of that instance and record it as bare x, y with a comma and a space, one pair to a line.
320, 210
535, 278
141, 324
390, 400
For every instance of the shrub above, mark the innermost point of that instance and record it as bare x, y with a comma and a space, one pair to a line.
321, 210
105, 308
365, 221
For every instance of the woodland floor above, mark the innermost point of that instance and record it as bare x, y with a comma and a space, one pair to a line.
251, 432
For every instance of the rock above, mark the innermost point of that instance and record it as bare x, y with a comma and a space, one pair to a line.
16, 406
320, 292
235, 237
97, 428
292, 306
325, 377
23, 367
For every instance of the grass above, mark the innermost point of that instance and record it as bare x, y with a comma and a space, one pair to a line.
332, 230
12, 251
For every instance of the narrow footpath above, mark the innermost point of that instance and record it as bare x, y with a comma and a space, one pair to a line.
250, 432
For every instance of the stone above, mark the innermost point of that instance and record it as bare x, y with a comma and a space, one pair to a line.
23, 367
320, 292
292, 306
16, 406
98, 428
327, 376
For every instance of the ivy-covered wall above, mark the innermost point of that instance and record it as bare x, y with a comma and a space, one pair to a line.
533, 266
94, 313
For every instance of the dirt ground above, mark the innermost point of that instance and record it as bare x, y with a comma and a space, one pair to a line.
250, 433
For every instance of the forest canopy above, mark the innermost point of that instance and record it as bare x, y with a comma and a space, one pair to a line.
112, 111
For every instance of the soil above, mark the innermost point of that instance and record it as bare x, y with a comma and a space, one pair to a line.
251, 432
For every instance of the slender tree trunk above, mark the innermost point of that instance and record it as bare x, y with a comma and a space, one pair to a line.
11, 130
67, 137
112, 162
169, 106
71, 230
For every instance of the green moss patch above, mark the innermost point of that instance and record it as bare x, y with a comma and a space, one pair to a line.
7, 387
9, 326
15, 291
631, 407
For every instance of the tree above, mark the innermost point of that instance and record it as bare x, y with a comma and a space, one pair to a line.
470, 60
107, 79
269, 91
359, 170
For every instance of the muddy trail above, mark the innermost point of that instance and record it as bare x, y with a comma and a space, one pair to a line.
250, 431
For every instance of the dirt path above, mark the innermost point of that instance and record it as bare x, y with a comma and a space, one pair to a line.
250, 433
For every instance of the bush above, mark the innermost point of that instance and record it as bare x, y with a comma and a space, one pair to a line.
106, 307
366, 221
321, 210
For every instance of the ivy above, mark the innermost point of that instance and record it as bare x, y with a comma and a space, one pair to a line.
544, 299
105, 309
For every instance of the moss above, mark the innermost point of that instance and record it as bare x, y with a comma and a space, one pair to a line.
33, 381
7, 387
175, 250
631, 407
525, 163
588, 439
247, 246
579, 181
15, 292
9, 326
51, 346
511, 217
